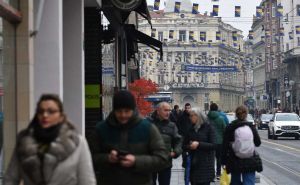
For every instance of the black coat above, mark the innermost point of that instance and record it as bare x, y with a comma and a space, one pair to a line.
229, 159
184, 124
203, 158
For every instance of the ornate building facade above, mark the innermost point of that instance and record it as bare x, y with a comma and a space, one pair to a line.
203, 57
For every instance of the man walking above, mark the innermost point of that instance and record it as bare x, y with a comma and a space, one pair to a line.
175, 114
184, 122
126, 148
218, 122
172, 140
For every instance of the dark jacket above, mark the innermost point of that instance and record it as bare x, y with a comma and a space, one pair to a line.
140, 138
232, 162
174, 116
184, 124
203, 158
218, 122
169, 134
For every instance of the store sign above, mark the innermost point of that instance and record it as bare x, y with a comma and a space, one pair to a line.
209, 69
92, 96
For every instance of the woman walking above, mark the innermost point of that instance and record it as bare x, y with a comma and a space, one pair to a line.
50, 151
200, 144
241, 167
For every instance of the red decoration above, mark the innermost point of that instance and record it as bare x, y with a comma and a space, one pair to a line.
141, 88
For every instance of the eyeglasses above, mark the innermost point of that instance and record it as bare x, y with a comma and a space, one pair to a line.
48, 111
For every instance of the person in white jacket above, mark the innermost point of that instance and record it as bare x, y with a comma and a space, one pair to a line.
50, 151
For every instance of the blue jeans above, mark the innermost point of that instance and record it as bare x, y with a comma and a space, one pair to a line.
248, 178
164, 177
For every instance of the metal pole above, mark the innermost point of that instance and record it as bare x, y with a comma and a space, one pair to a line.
291, 95
117, 61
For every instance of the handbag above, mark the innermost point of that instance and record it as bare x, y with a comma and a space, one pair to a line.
225, 178
251, 164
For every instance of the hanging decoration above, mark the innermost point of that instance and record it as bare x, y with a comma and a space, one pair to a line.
215, 10
279, 11
177, 7
195, 8
259, 12
156, 4
218, 35
251, 33
237, 12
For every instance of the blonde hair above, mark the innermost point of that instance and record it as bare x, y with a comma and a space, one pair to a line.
241, 113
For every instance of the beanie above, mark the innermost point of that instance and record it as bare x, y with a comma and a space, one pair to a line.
124, 99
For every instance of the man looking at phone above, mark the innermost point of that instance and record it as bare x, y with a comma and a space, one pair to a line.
172, 140
126, 148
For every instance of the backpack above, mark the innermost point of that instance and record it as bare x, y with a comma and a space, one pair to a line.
243, 145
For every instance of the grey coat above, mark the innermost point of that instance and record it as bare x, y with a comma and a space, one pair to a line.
68, 162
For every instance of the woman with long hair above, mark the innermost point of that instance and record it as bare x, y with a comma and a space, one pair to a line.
50, 151
241, 168
200, 144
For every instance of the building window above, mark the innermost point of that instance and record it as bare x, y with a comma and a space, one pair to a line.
273, 10
161, 36
298, 39
298, 10
182, 35
288, 46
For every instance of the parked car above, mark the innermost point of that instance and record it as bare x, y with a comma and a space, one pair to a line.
250, 119
284, 125
264, 120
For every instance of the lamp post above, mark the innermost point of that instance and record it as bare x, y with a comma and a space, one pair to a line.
291, 83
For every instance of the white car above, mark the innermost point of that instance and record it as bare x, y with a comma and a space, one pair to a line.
231, 117
284, 125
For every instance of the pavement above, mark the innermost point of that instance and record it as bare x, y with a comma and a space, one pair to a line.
178, 175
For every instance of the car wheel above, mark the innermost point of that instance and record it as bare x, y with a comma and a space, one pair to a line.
269, 134
274, 136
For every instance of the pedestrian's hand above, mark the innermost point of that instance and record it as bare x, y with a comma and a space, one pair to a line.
194, 145
128, 161
113, 157
173, 154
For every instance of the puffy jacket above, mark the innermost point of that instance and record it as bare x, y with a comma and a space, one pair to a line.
217, 121
67, 162
169, 134
203, 158
232, 162
140, 138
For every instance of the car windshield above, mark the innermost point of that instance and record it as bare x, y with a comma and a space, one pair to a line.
267, 117
250, 117
231, 118
287, 117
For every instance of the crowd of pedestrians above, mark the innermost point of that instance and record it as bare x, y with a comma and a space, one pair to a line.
128, 149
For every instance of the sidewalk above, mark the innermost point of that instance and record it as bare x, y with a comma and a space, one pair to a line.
178, 175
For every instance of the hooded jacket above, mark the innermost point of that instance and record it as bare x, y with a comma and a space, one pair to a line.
169, 132
217, 121
66, 162
140, 138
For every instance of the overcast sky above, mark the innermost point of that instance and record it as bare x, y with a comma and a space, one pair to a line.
226, 11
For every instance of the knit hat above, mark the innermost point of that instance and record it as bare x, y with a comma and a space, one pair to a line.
124, 99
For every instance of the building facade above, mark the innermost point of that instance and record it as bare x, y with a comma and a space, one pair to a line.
202, 61
291, 50
258, 61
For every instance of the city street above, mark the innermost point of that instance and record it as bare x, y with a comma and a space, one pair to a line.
281, 159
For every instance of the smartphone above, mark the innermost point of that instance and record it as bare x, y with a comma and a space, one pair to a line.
122, 153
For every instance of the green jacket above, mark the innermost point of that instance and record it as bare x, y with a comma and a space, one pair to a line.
218, 122
169, 132
138, 137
